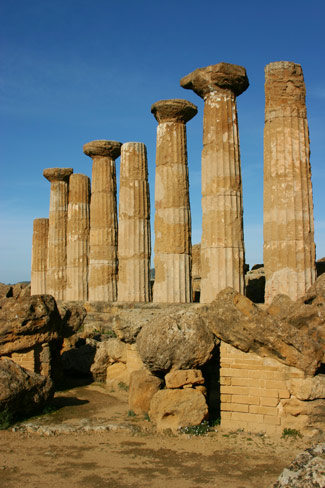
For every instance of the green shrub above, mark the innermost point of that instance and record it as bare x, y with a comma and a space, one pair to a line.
123, 386
290, 433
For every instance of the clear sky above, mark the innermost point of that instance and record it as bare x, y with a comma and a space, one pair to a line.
77, 70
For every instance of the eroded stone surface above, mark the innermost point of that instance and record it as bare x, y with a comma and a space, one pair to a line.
28, 321
289, 249
174, 409
22, 392
222, 75
234, 319
181, 377
179, 340
111, 149
143, 386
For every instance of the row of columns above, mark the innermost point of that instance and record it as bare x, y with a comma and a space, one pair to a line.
79, 252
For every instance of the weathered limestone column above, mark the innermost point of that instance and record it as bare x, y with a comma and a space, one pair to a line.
289, 248
222, 245
56, 276
173, 250
78, 238
102, 280
134, 243
39, 256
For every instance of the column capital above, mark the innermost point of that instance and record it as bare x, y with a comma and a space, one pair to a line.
215, 77
174, 110
103, 148
57, 174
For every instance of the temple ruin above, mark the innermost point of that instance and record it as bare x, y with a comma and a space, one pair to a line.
253, 361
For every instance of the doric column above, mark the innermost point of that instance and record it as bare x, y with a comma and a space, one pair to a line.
134, 244
173, 251
56, 276
39, 256
222, 245
289, 249
102, 280
78, 238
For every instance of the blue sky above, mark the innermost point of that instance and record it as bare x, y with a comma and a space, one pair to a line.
74, 70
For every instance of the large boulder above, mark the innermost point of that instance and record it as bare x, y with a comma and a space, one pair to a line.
234, 319
307, 470
179, 340
174, 409
22, 392
28, 321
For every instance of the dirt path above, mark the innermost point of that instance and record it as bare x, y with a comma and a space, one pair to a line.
132, 455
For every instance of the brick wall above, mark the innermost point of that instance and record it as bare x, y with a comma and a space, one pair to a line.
25, 360
254, 392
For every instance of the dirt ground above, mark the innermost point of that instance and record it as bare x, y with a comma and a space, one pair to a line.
71, 447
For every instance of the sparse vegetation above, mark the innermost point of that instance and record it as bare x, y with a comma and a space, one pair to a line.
6, 419
146, 417
290, 433
131, 413
123, 386
201, 429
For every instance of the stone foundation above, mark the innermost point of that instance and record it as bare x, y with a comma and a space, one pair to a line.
256, 394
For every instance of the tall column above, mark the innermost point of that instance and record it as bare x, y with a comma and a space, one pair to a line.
222, 245
78, 238
289, 249
102, 280
56, 277
39, 256
173, 252
134, 244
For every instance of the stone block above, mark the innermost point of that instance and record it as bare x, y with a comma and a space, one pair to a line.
173, 409
181, 377
143, 386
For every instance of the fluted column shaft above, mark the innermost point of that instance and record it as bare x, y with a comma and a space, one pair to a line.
289, 249
222, 244
134, 238
39, 256
103, 267
173, 250
56, 278
78, 238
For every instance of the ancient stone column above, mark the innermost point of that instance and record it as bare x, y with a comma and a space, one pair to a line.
134, 243
289, 249
78, 238
102, 280
172, 216
56, 276
39, 256
222, 245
